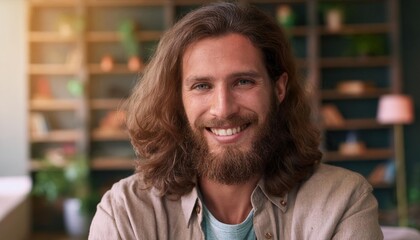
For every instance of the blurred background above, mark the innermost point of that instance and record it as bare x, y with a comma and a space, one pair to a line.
66, 67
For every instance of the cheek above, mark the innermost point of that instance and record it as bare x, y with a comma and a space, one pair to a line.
191, 108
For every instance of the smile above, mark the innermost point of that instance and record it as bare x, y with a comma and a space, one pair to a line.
227, 131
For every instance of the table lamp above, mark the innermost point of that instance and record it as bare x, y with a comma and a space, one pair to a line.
397, 109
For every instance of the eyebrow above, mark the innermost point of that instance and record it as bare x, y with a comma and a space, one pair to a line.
195, 78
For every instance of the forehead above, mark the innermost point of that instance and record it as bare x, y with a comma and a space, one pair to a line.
222, 53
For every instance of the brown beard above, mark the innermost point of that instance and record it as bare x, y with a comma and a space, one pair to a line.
232, 165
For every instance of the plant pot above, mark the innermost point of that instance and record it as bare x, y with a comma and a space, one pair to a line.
107, 63
75, 221
135, 64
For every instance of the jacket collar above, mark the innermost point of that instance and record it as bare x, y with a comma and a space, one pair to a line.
260, 194
190, 202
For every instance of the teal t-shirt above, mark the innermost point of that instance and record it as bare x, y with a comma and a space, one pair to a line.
216, 230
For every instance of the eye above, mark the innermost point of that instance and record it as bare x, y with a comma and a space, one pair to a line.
245, 82
201, 86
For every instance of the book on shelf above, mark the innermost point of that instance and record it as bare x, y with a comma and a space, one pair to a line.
38, 124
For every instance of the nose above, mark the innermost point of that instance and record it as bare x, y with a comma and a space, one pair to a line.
223, 103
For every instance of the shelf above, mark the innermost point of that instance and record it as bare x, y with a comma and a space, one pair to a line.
51, 69
355, 124
54, 105
117, 69
112, 163
107, 104
115, 37
349, 29
369, 154
51, 37
336, 95
343, 62
382, 185
125, 3
276, 1
57, 136
191, 2
109, 135
53, 3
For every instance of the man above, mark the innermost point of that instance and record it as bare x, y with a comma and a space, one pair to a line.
229, 151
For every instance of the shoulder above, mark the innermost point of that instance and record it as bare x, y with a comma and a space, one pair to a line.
335, 202
130, 190
334, 185
336, 178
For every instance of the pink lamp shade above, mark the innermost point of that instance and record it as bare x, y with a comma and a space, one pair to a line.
395, 109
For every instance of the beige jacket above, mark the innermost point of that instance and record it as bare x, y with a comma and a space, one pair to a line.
333, 204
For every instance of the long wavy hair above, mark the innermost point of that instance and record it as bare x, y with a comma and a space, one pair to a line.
156, 118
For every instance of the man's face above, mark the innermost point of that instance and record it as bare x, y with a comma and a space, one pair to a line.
227, 95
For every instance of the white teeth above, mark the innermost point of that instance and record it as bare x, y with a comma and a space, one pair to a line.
226, 132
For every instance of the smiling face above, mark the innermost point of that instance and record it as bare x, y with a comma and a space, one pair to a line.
227, 94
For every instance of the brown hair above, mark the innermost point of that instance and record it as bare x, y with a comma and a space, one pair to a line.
156, 119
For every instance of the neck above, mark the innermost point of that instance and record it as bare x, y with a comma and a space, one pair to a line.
229, 204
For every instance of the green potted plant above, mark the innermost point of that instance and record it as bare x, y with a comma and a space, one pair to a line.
66, 178
367, 45
127, 33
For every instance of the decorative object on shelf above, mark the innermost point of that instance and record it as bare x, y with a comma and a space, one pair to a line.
42, 89
74, 59
331, 115
112, 122
398, 109
352, 145
69, 25
333, 14
107, 63
285, 16
367, 45
64, 175
354, 87
75, 87
383, 174
127, 34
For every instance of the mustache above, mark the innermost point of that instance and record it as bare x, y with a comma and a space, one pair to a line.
234, 120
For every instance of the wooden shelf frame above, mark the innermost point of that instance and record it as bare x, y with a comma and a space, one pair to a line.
55, 104
112, 163
331, 94
109, 36
72, 135
368, 155
125, 3
107, 104
357, 124
109, 135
